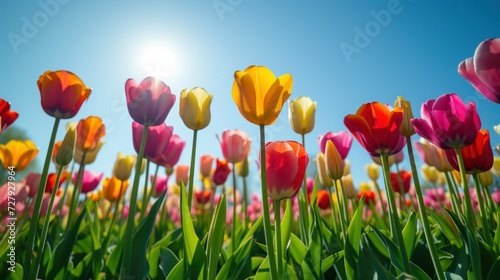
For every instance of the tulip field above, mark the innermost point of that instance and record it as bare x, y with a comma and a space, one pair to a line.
136, 224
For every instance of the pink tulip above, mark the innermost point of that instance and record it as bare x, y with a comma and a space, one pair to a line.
20, 191
33, 181
206, 165
172, 152
235, 145
182, 174
90, 180
148, 102
157, 140
342, 141
433, 155
483, 70
160, 185
447, 122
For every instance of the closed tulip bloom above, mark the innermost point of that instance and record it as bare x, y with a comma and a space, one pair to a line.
7, 117
89, 132
342, 141
235, 145
405, 180
373, 171
202, 197
430, 173
62, 93
486, 179
111, 188
334, 163
301, 113
259, 95
285, 167
478, 157
369, 196
496, 166
172, 152
160, 185
433, 155
323, 199
181, 174
194, 108
221, 172
447, 122
349, 189
376, 128
33, 181
123, 166
406, 128
65, 151
90, 156
483, 69
324, 179
18, 153
51, 181
90, 180
157, 140
242, 168
347, 167
206, 165
148, 102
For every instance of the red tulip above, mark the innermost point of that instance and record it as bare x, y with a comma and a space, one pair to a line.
157, 140
478, 157
405, 177
51, 181
62, 93
221, 172
377, 128
148, 102
286, 163
202, 197
323, 199
7, 117
369, 196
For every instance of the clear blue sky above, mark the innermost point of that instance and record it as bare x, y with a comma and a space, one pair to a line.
340, 53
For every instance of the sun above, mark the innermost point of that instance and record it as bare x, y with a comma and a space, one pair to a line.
159, 61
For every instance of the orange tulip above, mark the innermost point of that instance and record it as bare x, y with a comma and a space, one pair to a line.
18, 154
62, 93
111, 188
89, 132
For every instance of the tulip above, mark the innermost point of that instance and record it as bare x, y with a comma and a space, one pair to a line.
486, 179
334, 163
18, 154
90, 156
496, 128
62, 93
342, 141
55, 150
324, 178
369, 196
496, 166
242, 168
181, 174
235, 145
64, 153
111, 188
172, 152
194, 108
206, 165
203, 196
430, 173
90, 180
447, 122
221, 172
259, 95
405, 180
348, 187
33, 181
373, 171
89, 133
286, 163
21, 192
433, 155
478, 157
157, 139
377, 128
51, 181
160, 185
123, 166
483, 69
323, 199
149, 102
301, 113
406, 128
7, 117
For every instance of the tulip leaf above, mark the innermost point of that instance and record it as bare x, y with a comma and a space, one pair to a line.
82, 269
496, 239
216, 237
394, 252
410, 236
256, 225
256, 262
236, 263
264, 273
352, 242
286, 225
177, 272
494, 270
168, 261
311, 266
297, 249
446, 228
96, 244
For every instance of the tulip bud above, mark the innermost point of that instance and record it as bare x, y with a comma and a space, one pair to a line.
324, 179
194, 108
65, 152
373, 171
242, 168
347, 167
301, 113
206, 165
496, 166
123, 166
348, 187
334, 163
429, 173
486, 179
406, 128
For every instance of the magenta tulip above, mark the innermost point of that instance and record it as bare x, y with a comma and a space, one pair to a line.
149, 102
235, 145
157, 140
483, 70
160, 185
172, 152
90, 180
447, 122
342, 141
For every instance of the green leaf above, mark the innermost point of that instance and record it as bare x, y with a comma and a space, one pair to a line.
394, 252
114, 261
168, 261
193, 252
496, 240
96, 244
216, 237
410, 236
177, 272
352, 242
83, 268
286, 225
235, 264
446, 229
264, 273
495, 270
256, 225
297, 249
256, 262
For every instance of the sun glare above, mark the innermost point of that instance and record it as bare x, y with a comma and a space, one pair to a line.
159, 61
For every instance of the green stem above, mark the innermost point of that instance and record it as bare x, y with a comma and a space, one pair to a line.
245, 202
113, 219
30, 248
382, 203
233, 234
344, 203
423, 215
393, 215
45, 229
401, 195
265, 206
454, 196
334, 217
145, 198
340, 210
277, 231
191, 169
304, 208
482, 211
76, 192
129, 230
491, 204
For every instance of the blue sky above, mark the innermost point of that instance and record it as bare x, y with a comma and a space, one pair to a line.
340, 53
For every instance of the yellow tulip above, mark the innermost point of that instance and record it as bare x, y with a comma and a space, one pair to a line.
347, 167
123, 166
406, 128
194, 108
334, 162
324, 179
486, 179
301, 113
89, 155
348, 187
17, 153
259, 95
373, 171
242, 168
496, 166
430, 173
365, 186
